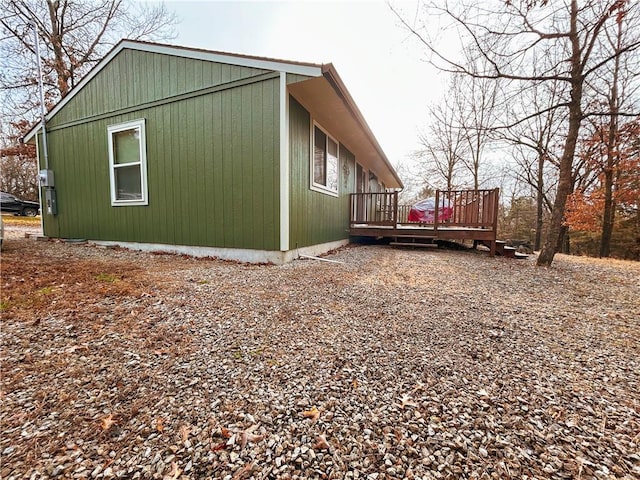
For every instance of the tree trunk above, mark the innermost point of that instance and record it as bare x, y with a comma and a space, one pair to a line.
565, 182
564, 244
608, 215
612, 157
59, 66
539, 202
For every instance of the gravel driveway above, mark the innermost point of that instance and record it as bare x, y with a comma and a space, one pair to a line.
393, 364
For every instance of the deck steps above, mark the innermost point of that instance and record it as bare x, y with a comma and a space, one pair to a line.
507, 251
413, 244
413, 241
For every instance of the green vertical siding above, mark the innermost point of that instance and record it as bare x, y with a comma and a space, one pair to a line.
212, 165
315, 217
134, 77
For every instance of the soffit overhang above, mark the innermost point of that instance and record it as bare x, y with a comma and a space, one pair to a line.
331, 106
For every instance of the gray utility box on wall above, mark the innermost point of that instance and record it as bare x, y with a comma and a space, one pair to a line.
46, 178
50, 201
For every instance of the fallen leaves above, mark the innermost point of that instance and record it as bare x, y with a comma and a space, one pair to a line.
313, 414
406, 401
73, 389
184, 432
107, 422
239, 437
321, 443
174, 473
75, 284
248, 436
219, 446
245, 471
482, 393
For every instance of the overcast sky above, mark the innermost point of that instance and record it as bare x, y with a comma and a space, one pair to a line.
383, 68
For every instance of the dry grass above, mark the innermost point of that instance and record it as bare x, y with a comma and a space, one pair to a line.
12, 220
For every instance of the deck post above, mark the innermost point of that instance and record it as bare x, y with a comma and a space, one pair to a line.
496, 205
435, 212
351, 215
395, 209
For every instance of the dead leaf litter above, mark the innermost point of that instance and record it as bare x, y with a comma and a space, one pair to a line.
392, 364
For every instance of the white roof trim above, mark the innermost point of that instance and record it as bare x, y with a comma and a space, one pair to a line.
231, 59
210, 56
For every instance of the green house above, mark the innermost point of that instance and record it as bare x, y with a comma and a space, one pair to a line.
166, 148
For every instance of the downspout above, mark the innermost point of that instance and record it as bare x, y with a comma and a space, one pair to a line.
45, 150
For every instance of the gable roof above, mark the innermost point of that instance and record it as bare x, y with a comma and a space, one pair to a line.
326, 71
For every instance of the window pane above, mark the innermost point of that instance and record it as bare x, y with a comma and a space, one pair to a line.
126, 146
319, 157
128, 183
332, 166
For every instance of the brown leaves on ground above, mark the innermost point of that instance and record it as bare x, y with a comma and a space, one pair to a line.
313, 413
550, 358
183, 432
406, 401
93, 320
174, 473
321, 443
245, 471
239, 437
107, 422
35, 284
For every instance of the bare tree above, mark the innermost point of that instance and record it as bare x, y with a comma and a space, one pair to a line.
444, 146
535, 146
477, 109
75, 34
18, 171
511, 35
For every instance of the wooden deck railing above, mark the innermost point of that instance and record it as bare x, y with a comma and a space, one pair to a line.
374, 209
466, 208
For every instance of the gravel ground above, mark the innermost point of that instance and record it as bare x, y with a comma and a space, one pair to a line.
393, 364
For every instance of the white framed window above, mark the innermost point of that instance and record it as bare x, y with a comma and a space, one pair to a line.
324, 162
128, 163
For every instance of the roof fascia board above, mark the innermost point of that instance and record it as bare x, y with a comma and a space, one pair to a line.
218, 57
243, 61
92, 73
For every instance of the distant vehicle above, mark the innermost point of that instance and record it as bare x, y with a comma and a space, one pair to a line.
12, 204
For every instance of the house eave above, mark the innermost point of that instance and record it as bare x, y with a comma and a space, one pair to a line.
331, 105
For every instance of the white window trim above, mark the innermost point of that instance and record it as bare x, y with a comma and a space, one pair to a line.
318, 187
111, 129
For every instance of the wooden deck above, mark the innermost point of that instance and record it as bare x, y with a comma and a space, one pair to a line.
473, 215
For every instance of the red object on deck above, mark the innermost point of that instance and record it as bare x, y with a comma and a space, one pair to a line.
424, 211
